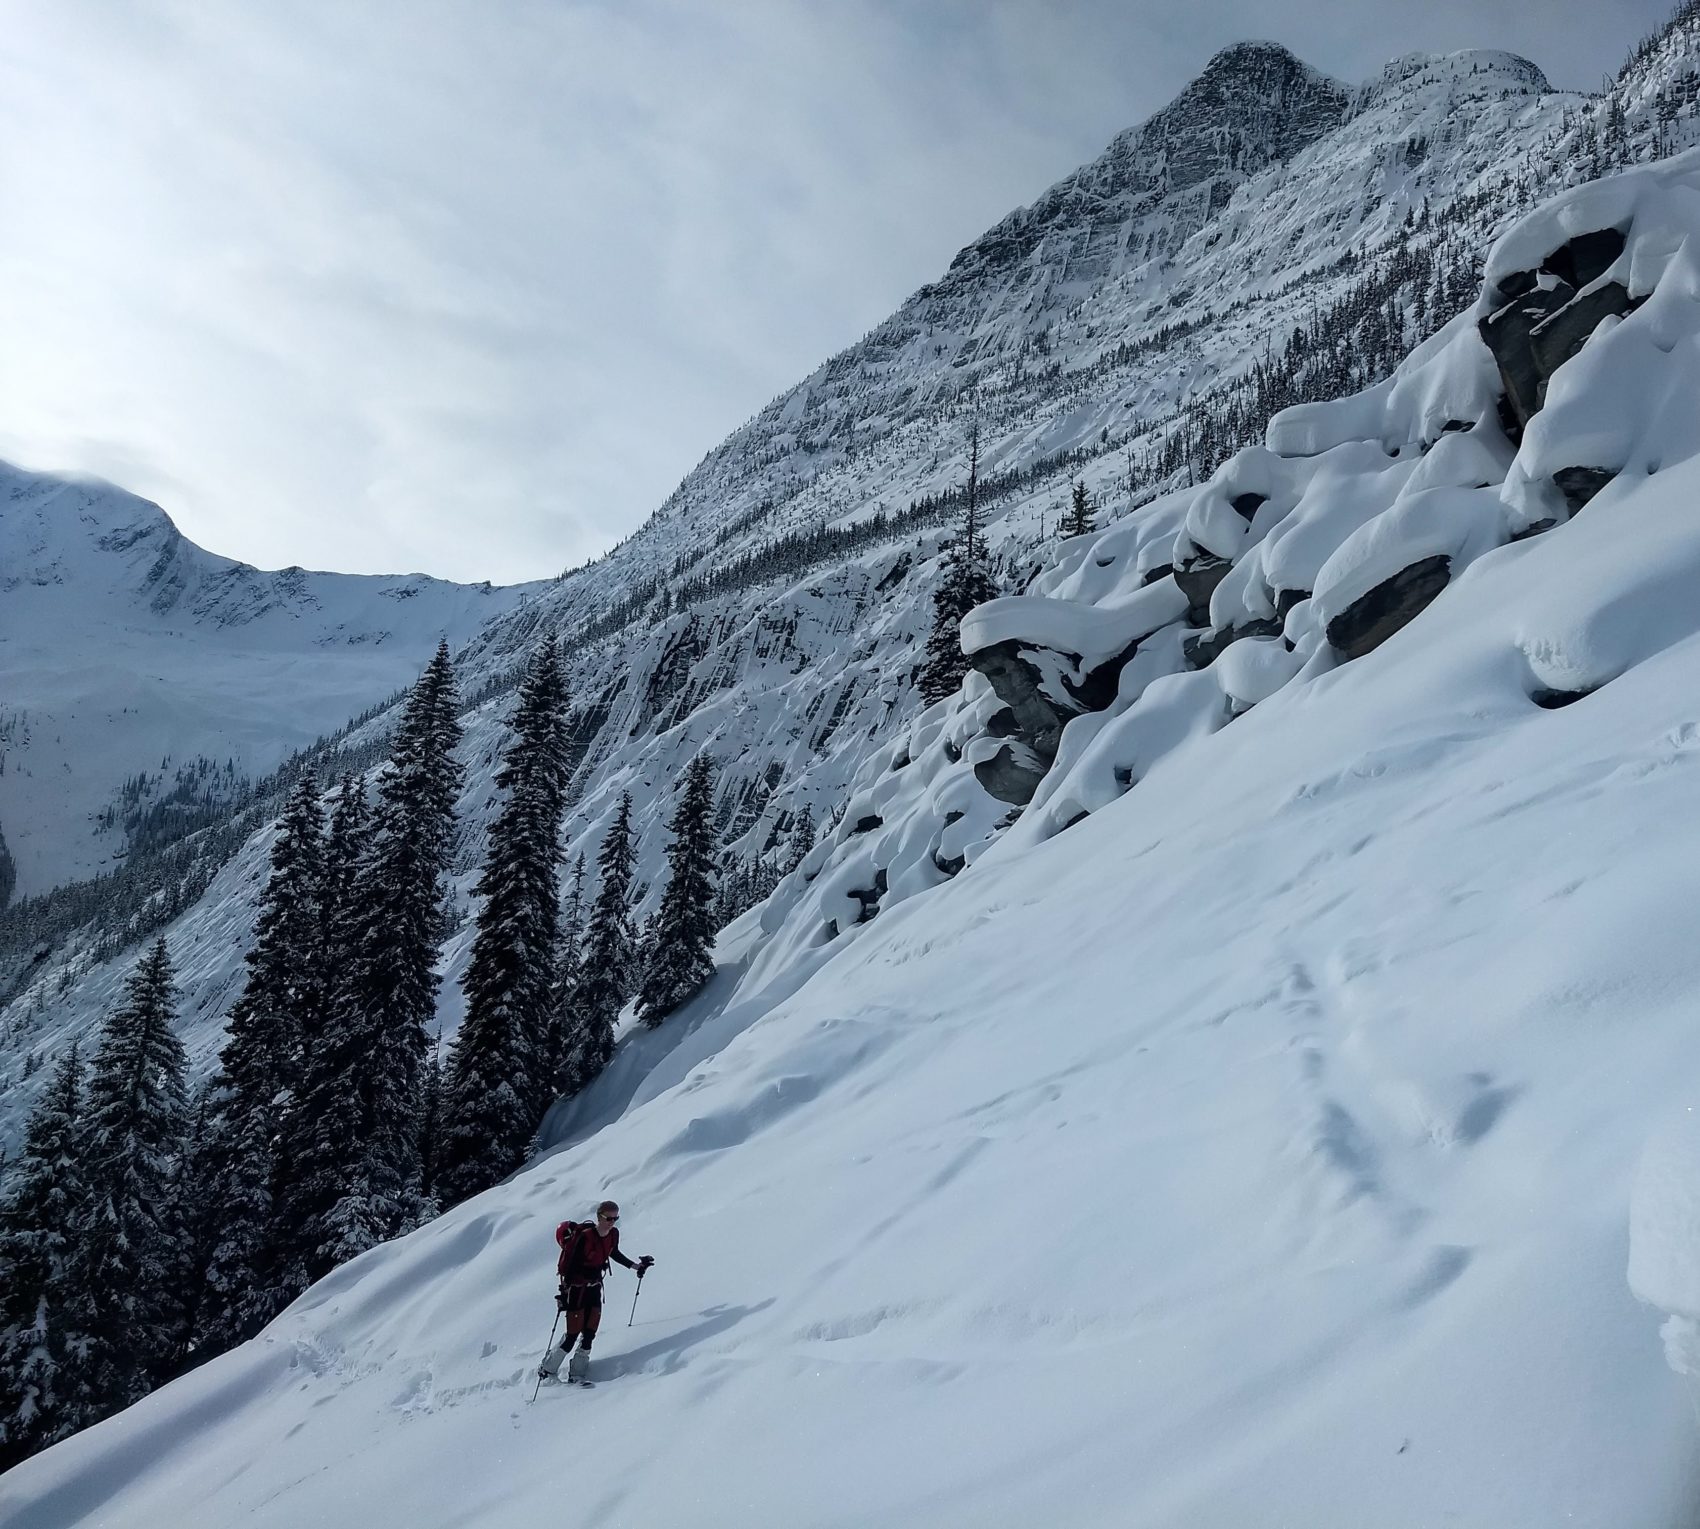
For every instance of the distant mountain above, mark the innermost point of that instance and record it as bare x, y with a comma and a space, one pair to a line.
143, 681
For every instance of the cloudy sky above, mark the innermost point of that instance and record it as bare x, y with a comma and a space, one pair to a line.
465, 286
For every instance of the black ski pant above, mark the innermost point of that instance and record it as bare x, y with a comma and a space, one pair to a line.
583, 1305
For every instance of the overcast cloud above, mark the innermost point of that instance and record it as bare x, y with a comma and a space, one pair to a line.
467, 287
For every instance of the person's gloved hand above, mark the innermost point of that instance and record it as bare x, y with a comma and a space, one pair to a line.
643, 1265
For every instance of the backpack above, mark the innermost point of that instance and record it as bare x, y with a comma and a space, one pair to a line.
567, 1235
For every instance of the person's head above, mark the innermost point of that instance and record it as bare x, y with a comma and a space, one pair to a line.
607, 1214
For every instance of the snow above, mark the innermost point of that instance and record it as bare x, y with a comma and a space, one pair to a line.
1254, 668
1270, 1142
1258, 1149
1459, 524
1664, 1217
1092, 633
126, 649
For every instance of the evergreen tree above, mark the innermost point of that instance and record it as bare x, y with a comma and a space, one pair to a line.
196, 1225
259, 1073
963, 584
359, 1167
637, 951
431, 1127
40, 1400
396, 926
1078, 521
567, 951
605, 971
802, 838
572, 923
499, 1074
320, 1132
122, 1262
683, 934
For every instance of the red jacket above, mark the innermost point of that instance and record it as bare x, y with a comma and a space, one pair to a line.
585, 1252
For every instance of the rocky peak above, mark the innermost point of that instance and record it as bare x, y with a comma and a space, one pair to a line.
1254, 104
52, 528
1250, 59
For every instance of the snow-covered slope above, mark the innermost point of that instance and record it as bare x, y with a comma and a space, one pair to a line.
1244, 1134
774, 608
126, 651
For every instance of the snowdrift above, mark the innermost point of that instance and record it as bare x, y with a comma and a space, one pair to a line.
1258, 1149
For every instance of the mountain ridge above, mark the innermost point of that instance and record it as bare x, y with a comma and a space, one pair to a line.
128, 654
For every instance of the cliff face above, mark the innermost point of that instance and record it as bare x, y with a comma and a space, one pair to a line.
1254, 105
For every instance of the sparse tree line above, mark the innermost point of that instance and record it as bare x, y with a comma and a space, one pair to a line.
143, 1230
149, 813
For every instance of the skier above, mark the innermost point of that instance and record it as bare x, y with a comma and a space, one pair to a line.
586, 1248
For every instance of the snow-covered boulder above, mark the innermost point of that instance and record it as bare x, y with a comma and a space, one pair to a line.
1546, 315
1050, 661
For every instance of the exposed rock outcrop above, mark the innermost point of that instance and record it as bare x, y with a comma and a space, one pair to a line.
1198, 577
1203, 650
1546, 316
1374, 617
1580, 484
1038, 715
1012, 773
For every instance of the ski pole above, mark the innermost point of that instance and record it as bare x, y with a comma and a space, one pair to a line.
552, 1326
635, 1294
